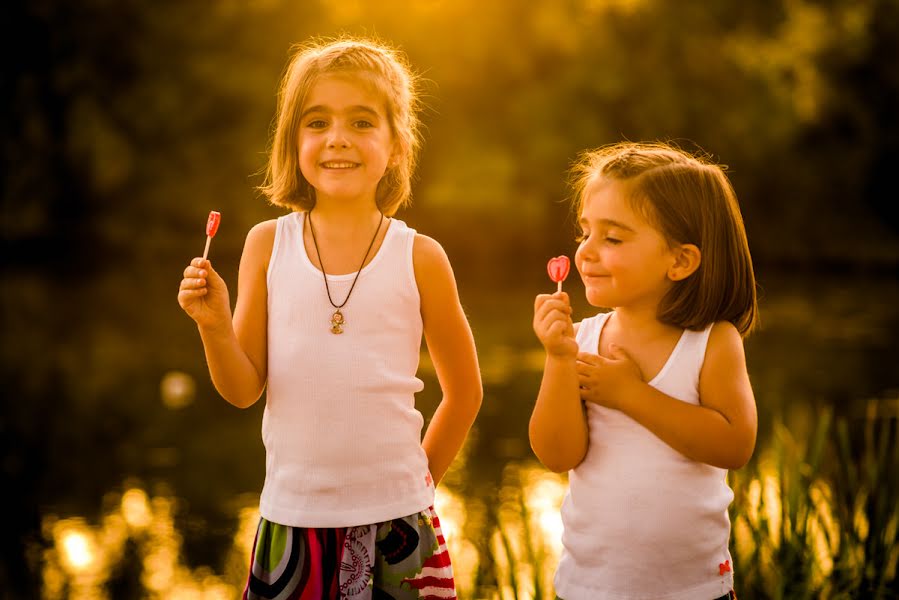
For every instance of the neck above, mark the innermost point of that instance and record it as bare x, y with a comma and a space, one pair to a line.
345, 205
640, 324
345, 220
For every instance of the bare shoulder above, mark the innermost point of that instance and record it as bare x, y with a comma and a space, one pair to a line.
429, 259
433, 272
725, 348
725, 337
260, 241
263, 232
427, 251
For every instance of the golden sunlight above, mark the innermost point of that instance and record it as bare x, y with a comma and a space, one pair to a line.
76, 564
82, 556
453, 515
136, 509
77, 550
177, 389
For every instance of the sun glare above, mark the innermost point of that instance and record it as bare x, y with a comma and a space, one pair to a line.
77, 550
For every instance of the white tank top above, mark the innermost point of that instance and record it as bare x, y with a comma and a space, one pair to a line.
341, 432
640, 519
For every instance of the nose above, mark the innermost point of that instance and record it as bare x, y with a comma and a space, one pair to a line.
587, 257
585, 252
337, 138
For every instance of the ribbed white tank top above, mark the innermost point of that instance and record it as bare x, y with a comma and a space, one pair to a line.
640, 519
341, 432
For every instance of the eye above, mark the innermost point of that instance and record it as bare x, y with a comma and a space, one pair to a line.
363, 124
611, 240
582, 236
316, 124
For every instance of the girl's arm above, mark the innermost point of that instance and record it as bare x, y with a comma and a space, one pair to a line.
558, 427
236, 348
720, 431
451, 346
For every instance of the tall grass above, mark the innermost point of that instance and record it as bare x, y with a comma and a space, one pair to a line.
816, 516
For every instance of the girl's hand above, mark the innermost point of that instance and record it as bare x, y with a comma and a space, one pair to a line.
553, 326
204, 296
601, 379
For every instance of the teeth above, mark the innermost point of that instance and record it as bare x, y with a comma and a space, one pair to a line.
338, 165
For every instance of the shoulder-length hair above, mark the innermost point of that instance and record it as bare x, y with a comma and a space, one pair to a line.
689, 200
378, 65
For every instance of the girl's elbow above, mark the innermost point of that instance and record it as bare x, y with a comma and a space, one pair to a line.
242, 403
746, 448
478, 397
741, 458
472, 398
554, 456
738, 457
243, 400
559, 466
555, 462
463, 404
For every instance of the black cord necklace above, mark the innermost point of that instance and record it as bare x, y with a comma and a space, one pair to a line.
337, 320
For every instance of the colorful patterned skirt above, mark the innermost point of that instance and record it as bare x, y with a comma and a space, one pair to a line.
401, 559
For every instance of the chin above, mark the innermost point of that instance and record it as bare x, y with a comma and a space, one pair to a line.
341, 191
599, 300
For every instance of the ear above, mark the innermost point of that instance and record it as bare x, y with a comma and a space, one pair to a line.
687, 258
396, 155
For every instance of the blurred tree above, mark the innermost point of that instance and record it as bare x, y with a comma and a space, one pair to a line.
122, 113
124, 122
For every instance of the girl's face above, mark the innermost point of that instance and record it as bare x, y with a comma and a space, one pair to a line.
345, 139
622, 259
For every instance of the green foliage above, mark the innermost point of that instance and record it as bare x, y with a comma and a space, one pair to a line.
828, 527
126, 111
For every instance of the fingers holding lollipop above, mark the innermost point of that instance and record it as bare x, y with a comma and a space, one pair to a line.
202, 293
552, 313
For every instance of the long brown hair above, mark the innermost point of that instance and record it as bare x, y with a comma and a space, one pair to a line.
690, 200
379, 65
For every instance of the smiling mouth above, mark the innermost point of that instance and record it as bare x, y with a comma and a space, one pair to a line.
339, 165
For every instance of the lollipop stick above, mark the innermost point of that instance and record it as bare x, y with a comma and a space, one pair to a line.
206, 250
559, 288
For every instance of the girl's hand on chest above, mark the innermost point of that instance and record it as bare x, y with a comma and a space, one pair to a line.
604, 380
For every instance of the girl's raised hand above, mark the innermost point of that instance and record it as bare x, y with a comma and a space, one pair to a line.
553, 326
601, 379
204, 296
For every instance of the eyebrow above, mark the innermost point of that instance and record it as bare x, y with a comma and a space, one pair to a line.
609, 223
352, 109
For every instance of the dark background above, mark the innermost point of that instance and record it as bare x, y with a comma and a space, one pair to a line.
125, 122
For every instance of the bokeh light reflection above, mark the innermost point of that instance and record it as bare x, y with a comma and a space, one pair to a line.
526, 543
453, 515
81, 556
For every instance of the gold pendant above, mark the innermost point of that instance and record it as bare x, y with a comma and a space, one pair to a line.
337, 322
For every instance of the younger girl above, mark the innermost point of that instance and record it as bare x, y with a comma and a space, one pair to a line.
663, 377
333, 300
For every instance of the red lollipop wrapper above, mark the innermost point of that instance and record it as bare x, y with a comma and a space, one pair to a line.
212, 226
558, 268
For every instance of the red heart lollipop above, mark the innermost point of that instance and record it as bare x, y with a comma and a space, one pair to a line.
558, 268
212, 226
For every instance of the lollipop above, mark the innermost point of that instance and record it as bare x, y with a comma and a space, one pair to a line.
212, 225
558, 268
